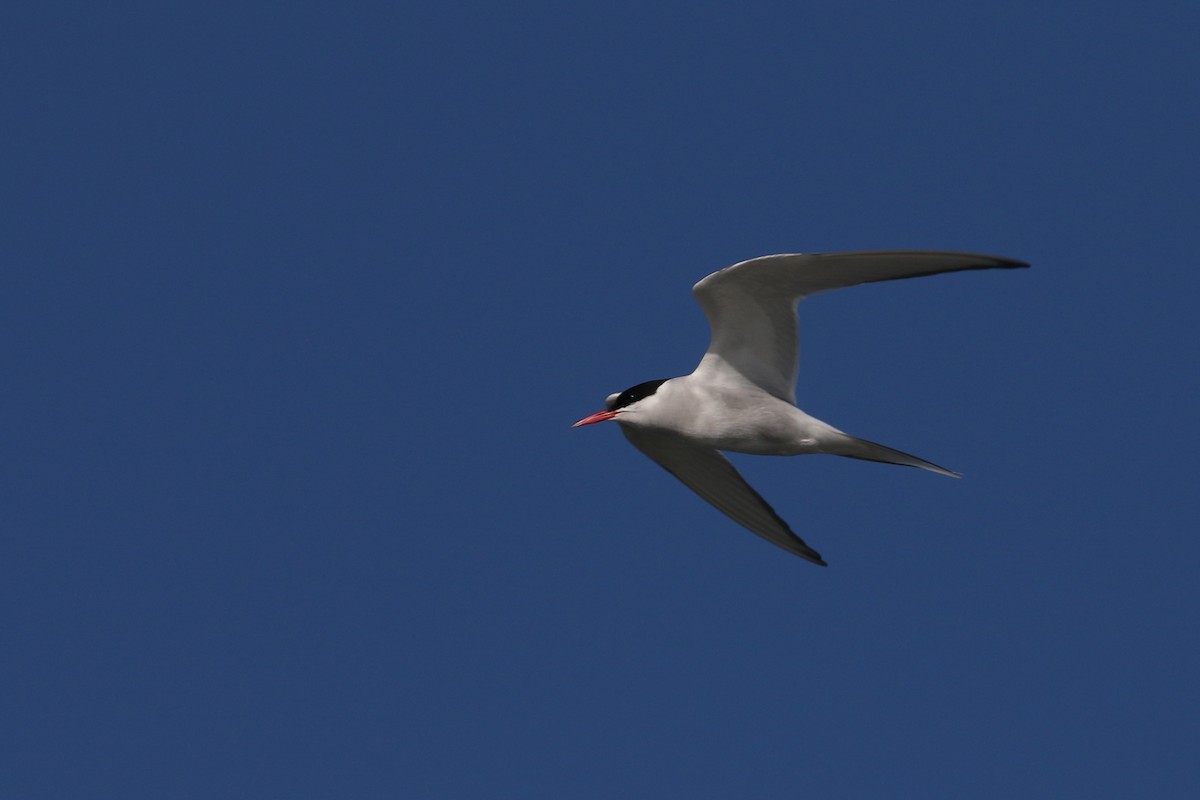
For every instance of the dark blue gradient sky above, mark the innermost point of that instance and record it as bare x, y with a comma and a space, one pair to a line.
301, 299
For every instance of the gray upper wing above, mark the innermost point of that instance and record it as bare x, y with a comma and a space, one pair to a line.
751, 306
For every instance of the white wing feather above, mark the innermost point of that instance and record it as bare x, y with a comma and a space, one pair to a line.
751, 306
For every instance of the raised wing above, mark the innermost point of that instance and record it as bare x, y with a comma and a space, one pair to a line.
710, 475
751, 306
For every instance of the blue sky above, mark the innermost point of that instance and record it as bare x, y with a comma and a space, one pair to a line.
302, 299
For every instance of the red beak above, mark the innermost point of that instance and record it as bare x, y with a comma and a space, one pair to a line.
599, 416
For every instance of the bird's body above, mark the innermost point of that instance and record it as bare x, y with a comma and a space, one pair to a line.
741, 397
729, 415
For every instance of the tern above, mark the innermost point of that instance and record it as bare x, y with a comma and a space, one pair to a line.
742, 397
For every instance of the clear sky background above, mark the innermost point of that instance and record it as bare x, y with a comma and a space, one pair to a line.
300, 300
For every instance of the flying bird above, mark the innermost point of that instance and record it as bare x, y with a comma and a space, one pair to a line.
742, 396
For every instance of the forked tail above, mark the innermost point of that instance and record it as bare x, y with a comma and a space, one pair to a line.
853, 447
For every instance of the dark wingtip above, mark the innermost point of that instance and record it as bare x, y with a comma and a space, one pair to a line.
812, 555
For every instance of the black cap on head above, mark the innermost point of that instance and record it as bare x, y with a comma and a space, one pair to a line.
635, 393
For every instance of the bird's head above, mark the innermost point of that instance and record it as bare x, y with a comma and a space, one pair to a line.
621, 402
